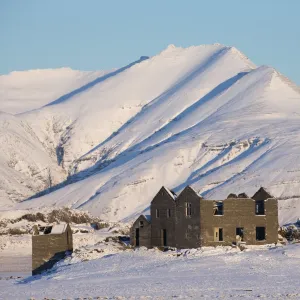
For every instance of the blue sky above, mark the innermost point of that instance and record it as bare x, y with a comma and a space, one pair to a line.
94, 35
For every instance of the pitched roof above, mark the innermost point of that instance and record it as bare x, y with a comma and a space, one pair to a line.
59, 228
163, 190
262, 194
170, 193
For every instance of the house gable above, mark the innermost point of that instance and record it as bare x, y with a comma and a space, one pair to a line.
164, 195
187, 193
261, 194
141, 218
140, 233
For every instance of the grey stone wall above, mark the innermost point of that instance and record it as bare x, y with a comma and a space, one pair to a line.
144, 232
187, 227
163, 202
238, 212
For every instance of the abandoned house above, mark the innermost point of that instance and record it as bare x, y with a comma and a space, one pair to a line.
49, 245
190, 221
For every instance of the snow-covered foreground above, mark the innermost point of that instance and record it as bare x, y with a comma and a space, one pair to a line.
271, 272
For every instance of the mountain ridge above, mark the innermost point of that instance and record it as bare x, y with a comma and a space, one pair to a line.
203, 115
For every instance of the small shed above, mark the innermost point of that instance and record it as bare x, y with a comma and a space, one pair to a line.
49, 245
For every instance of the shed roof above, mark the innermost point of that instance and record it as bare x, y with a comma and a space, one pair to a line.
59, 228
52, 229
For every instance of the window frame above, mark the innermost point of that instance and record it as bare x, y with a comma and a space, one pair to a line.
157, 213
260, 208
218, 204
168, 213
188, 209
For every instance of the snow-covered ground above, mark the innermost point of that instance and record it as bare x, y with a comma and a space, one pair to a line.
102, 265
222, 272
16, 249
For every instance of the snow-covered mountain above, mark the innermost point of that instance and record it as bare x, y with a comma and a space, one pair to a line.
204, 116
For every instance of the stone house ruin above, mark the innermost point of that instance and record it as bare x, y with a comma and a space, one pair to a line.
190, 221
49, 245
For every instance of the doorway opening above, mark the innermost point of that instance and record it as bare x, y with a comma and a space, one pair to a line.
164, 237
239, 232
260, 233
218, 234
137, 237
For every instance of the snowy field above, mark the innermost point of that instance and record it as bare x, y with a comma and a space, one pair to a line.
101, 269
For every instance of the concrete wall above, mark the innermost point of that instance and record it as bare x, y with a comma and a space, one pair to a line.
163, 201
144, 232
198, 230
187, 227
238, 212
49, 247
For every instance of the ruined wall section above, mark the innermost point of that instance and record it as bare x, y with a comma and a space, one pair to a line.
238, 213
188, 226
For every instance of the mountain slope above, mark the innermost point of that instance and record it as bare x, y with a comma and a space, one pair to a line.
23, 91
168, 77
204, 116
26, 167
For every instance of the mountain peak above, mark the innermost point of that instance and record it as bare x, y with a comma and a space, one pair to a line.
203, 116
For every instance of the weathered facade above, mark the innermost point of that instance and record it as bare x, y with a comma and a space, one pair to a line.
189, 221
49, 245
162, 219
140, 234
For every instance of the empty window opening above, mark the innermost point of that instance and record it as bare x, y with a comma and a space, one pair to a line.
188, 209
141, 224
157, 213
168, 213
218, 208
47, 229
218, 234
260, 233
239, 234
260, 207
